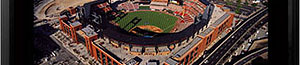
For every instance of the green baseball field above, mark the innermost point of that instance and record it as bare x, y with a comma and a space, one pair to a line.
161, 20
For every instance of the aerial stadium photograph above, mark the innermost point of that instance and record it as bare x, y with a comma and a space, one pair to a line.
150, 32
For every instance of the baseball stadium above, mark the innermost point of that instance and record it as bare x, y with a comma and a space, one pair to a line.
145, 32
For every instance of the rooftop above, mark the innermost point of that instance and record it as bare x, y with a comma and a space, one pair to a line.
171, 61
81, 33
150, 49
151, 63
108, 51
220, 20
217, 13
76, 23
163, 48
89, 31
136, 49
206, 31
188, 47
133, 61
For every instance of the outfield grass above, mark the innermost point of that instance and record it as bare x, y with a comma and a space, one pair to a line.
144, 7
163, 21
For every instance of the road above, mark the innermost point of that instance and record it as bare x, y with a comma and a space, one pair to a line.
251, 56
238, 36
222, 47
67, 55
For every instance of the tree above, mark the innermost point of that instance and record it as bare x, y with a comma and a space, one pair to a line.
239, 6
239, 1
246, 3
237, 11
228, 3
254, 5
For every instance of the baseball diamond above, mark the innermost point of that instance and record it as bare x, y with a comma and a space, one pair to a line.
161, 20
